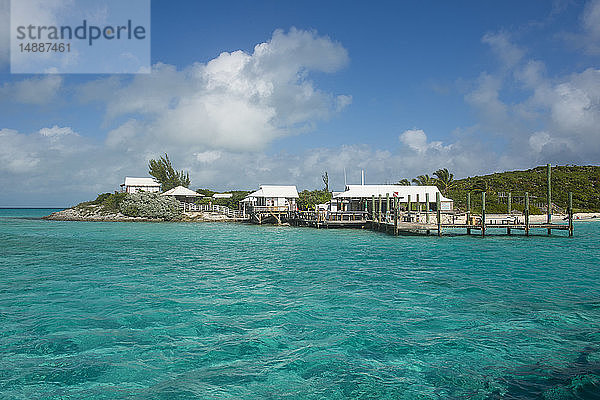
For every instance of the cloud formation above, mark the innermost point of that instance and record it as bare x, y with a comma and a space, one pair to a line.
234, 102
37, 90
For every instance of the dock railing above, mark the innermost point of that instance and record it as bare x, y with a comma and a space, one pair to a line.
192, 207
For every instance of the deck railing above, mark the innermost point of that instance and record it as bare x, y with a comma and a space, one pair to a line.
212, 208
272, 208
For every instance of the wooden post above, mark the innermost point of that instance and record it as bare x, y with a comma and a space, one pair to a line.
482, 214
549, 197
387, 205
527, 213
409, 205
570, 213
427, 207
395, 216
418, 205
439, 214
379, 210
468, 212
508, 209
373, 207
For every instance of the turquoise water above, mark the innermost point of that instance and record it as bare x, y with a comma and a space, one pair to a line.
217, 311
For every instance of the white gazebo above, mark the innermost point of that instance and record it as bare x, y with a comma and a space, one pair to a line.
183, 194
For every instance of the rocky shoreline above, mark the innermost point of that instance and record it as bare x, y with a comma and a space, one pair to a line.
93, 214
99, 214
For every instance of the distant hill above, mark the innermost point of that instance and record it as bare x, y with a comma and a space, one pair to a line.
583, 181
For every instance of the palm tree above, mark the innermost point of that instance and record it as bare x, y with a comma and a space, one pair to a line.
326, 181
445, 180
424, 180
403, 182
479, 186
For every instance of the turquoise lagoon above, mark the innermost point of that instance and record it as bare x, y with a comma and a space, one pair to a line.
232, 311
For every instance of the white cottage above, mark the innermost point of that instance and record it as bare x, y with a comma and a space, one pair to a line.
134, 185
183, 194
271, 198
357, 197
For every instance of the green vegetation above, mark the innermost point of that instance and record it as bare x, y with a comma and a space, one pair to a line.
150, 205
422, 180
308, 199
166, 175
583, 181
143, 204
444, 180
232, 203
108, 202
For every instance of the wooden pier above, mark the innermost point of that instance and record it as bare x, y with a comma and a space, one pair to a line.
426, 222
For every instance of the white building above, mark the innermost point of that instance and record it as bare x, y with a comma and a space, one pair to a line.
183, 194
271, 198
134, 185
222, 195
358, 197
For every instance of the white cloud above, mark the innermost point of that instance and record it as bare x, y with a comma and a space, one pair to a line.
591, 26
416, 139
124, 136
587, 37
16, 154
486, 98
507, 52
208, 156
235, 102
542, 142
57, 131
4, 31
556, 120
37, 90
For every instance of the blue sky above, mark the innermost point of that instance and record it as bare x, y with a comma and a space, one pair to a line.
248, 93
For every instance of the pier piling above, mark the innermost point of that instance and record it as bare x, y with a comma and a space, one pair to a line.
438, 206
527, 213
468, 212
387, 206
396, 216
373, 207
427, 208
549, 197
482, 214
508, 208
570, 214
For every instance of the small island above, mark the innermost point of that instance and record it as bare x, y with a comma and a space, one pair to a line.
514, 199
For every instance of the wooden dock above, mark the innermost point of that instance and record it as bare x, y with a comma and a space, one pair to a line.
413, 228
393, 220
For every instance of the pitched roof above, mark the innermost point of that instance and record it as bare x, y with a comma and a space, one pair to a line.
275, 191
181, 191
129, 181
402, 192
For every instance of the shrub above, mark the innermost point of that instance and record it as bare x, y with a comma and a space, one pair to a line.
112, 201
150, 205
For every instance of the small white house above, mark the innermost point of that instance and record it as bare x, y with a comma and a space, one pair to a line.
271, 198
134, 185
